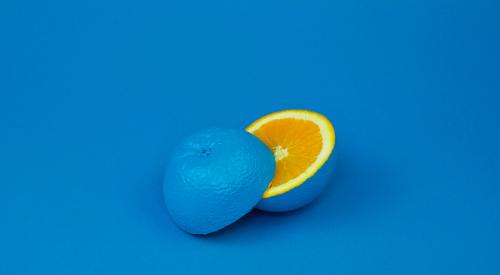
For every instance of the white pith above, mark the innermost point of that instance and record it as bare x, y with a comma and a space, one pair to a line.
280, 153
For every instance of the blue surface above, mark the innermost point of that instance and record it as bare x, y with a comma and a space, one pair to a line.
94, 96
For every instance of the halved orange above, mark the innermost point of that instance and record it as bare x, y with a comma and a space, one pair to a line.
302, 141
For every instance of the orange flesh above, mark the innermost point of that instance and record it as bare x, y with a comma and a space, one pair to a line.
295, 143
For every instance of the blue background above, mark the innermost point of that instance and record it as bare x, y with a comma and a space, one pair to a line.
95, 94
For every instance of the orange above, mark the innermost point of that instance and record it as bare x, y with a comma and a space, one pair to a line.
302, 141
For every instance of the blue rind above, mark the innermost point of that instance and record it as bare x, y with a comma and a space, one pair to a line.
301, 195
205, 194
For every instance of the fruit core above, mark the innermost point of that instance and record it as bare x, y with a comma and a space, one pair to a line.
280, 152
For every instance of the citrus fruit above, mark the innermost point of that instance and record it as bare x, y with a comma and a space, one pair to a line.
215, 177
302, 142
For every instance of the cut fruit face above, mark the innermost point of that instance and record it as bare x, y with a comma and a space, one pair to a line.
302, 141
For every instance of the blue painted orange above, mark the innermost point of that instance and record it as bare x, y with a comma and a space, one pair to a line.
214, 177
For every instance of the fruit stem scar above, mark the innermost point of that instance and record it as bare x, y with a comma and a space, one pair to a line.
280, 153
206, 152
